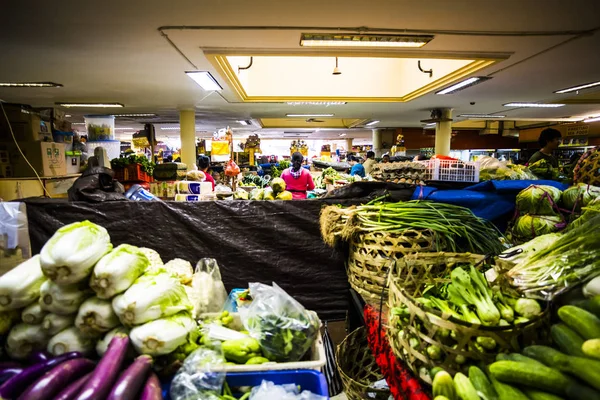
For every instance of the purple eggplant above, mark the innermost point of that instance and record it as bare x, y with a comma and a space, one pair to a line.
10, 364
38, 356
71, 391
8, 373
152, 389
56, 379
15, 385
131, 380
105, 374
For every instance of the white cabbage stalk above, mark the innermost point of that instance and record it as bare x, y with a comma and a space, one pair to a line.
63, 300
23, 339
96, 316
195, 297
20, 286
152, 296
156, 263
181, 269
68, 340
71, 253
33, 314
162, 336
103, 343
54, 323
117, 270
7, 320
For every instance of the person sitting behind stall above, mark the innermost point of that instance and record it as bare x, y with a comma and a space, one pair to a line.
549, 141
297, 180
386, 158
369, 162
357, 167
204, 165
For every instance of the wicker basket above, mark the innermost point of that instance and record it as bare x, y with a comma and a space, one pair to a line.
358, 369
372, 254
428, 327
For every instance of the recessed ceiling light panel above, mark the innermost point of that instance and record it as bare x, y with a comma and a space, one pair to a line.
91, 105
205, 80
464, 84
578, 87
359, 40
316, 103
30, 84
533, 105
481, 116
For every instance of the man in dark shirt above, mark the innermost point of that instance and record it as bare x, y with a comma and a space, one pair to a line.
549, 141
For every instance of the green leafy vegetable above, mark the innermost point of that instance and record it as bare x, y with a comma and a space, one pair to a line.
528, 226
539, 200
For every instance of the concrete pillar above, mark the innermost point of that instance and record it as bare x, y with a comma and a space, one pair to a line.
377, 142
349, 145
187, 129
443, 134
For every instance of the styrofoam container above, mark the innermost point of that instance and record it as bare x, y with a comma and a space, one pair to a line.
316, 354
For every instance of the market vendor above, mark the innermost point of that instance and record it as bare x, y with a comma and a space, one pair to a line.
357, 167
204, 165
369, 162
298, 180
386, 158
549, 141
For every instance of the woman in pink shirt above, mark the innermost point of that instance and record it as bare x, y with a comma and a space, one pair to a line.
297, 179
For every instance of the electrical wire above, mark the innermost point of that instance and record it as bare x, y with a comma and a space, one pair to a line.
21, 151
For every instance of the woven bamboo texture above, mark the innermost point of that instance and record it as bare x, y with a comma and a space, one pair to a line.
587, 168
456, 339
372, 254
358, 369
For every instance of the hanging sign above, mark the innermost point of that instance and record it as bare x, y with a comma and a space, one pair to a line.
577, 130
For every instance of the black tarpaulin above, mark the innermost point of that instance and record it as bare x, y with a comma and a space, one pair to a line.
253, 241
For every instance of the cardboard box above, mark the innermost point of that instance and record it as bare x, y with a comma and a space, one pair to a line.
4, 159
73, 164
47, 158
6, 171
29, 128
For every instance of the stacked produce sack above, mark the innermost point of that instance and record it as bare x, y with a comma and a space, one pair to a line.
80, 292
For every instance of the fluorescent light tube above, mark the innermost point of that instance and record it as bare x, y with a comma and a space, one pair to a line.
91, 105
78, 123
430, 125
243, 122
136, 115
580, 87
316, 103
309, 115
205, 80
463, 84
372, 123
481, 116
124, 129
342, 134
30, 84
592, 119
169, 128
360, 40
533, 105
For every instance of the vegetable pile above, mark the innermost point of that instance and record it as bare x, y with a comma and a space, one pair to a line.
276, 191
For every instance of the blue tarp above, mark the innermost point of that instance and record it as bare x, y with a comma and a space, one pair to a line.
492, 200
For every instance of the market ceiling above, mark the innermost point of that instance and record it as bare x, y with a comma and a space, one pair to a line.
113, 51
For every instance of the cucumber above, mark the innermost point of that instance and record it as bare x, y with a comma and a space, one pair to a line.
441, 398
443, 385
540, 377
502, 357
591, 348
521, 358
507, 392
579, 391
592, 305
434, 371
539, 395
583, 368
567, 340
464, 388
581, 321
482, 384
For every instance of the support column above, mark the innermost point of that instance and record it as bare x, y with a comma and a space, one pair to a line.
187, 129
377, 142
443, 133
349, 145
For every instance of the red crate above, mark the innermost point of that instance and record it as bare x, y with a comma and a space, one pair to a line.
132, 173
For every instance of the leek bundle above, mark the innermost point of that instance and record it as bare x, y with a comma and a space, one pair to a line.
20, 286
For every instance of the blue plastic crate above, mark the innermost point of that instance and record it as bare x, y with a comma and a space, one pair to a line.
307, 379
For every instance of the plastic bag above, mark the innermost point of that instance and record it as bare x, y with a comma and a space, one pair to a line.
195, 175
269, 391
14, 235
96, 184
232, 169
207, 284
197, 378
284, 328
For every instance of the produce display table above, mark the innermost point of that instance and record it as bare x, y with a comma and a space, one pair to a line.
403, 385
253, 241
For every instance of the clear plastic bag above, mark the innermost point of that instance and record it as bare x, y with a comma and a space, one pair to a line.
269, 391
208, 287
284, 328
197, 378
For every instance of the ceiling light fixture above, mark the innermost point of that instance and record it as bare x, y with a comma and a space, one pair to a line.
362, 40
533, 105
244, 122
135, 115
68, 115
336, 70
430, 125
592, 119
205, 80
308, 115
30, 84
464, 84
91, 105
316, 103
124, 129
481, 116
342, 134
169, 128
372, 123
579, 87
